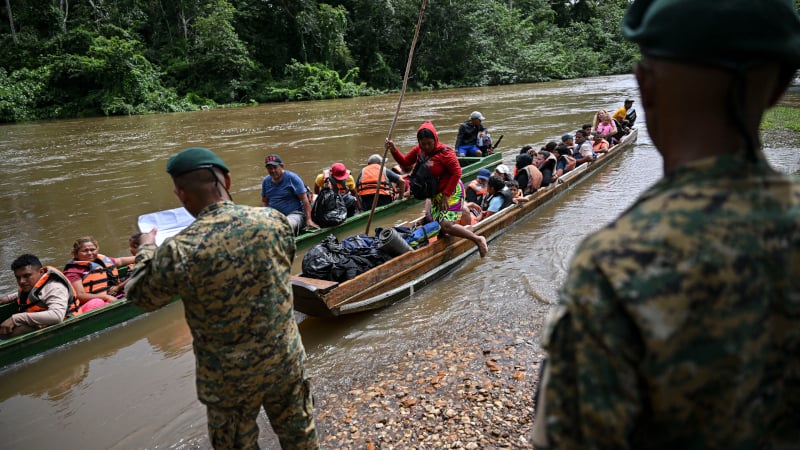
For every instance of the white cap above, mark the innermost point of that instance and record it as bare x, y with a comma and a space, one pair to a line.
477, 115
502, 168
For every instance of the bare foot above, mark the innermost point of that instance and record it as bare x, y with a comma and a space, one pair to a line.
483, 249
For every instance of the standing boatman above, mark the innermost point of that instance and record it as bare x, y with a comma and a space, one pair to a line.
231, 267
679, 323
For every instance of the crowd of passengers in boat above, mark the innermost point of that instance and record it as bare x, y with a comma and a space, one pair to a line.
90, 280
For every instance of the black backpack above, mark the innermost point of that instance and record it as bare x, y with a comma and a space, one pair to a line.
423, 183
329, 208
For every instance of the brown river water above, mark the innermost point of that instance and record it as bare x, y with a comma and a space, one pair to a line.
133, 386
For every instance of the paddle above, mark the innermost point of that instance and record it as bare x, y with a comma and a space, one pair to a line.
169, 222
396, 113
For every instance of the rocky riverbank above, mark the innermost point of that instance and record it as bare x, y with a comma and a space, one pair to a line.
472, 390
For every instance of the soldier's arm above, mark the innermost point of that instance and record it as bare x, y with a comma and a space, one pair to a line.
154, 282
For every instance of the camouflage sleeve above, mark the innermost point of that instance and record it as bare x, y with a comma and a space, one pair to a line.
154, 281
592, 393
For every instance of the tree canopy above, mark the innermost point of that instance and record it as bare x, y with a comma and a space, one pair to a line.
72, 58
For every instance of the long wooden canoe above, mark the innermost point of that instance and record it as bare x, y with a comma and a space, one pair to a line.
403, 275
469, 168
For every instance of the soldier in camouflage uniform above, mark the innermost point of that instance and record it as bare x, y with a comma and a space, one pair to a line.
231, 268
679, 323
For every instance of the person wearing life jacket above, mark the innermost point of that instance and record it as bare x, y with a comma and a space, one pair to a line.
367, 183
94, 276
45, 297
500, 196
526, 174
476, 189
345, 184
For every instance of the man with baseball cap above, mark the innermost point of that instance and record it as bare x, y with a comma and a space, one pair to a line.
469, 134
232, 268
625, 116
285, 191
679, 324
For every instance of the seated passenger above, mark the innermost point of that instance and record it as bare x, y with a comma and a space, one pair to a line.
476, 189
45, 297
527, 175
546, 162
499, 196
471, 134
583, 151
603, 125
568, 141
344, 183
367, 183
503, 172
625, 116
587, 128
285, 191
565, 161
94, 276
600, 145
550, 147
516, 192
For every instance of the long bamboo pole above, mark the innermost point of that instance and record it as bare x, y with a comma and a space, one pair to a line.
396, 114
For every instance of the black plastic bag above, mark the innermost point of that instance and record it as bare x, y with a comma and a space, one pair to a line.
329, 208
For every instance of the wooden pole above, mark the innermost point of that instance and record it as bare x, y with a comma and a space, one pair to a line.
396, 114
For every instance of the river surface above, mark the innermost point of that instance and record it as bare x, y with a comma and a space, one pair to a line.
133, 386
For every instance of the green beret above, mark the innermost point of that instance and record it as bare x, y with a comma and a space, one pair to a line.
194, 158
732, 34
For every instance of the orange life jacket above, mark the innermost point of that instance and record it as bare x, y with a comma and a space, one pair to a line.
368, 181
341, 185
478, 188
99, 275
32, 301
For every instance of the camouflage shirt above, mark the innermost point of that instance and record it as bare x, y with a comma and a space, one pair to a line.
231, 268
679, 323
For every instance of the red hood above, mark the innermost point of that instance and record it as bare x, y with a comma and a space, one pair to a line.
429, 125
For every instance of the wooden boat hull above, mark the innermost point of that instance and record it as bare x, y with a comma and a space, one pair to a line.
403, 275
469, 166
35, 342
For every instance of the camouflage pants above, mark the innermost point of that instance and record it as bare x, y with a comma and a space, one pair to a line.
290, 411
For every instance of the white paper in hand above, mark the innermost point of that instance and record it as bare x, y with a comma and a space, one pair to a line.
169, 222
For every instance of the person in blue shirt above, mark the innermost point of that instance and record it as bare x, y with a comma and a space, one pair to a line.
285, 191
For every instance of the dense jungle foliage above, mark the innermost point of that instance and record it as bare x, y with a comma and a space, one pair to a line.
72, 58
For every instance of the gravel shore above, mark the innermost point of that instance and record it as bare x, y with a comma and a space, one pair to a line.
473, 389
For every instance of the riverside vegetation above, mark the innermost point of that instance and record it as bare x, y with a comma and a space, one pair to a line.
61, 59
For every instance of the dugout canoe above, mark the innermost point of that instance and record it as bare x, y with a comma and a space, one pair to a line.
71, 329
469, 168
403, 275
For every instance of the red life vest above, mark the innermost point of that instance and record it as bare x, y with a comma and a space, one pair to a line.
368, 181
99, 275
32, 301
